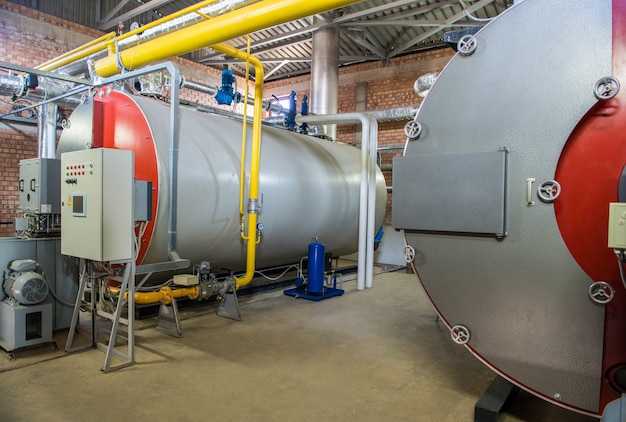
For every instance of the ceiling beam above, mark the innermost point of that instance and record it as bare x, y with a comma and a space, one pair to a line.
388, 6
448, 23
380, 52
412, 23
113, 12
146, 7
269, 60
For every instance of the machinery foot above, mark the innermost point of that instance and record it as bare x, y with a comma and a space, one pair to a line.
495, 400
229, 306
168, 321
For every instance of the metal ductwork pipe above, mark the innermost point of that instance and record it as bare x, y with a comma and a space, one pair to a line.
394, 114
11, 85
325, 73
47, 137
205, 89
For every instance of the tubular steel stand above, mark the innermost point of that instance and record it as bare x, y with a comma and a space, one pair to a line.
495, 400
126, 299
89, 305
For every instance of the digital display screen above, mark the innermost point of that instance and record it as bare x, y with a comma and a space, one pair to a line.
79, 204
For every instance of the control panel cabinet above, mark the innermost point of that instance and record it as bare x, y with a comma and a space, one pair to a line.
39, 186
97, 187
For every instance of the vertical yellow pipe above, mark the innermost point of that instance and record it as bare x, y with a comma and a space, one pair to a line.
255, 159
245, 20
242, 170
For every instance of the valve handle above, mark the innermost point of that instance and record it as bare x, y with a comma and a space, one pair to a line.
412, 130
606, 88
601, 292
460, 334
549, 190
409, 254
467, 45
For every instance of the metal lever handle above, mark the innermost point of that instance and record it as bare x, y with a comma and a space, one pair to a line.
529, 191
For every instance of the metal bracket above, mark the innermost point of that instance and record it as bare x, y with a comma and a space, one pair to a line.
168, 320
229, 305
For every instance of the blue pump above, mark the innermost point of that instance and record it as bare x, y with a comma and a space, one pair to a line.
290, 120
304, 110
314, 288
226, 93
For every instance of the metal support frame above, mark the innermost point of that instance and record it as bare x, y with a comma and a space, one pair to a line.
176, 261
168, 321
90, 306
126, 297
126, 300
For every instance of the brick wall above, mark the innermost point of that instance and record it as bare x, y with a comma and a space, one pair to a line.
14, 146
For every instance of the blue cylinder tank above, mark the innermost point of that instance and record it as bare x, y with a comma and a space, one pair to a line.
315, 283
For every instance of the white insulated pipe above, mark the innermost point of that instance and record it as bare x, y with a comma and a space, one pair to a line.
367, 200
47, 136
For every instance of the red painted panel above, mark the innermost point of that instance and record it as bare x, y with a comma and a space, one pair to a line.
589, 170
122, 125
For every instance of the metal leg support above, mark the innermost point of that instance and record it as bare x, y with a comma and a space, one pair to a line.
168, 320
495, 400
128, 358
90, 306
229, 306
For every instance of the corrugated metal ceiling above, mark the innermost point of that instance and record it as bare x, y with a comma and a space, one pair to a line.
369, 30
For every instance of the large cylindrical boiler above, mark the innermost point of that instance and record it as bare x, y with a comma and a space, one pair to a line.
504, 198
308, 187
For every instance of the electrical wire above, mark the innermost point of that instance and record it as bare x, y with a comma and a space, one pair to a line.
279, 276
54, 294
619, 254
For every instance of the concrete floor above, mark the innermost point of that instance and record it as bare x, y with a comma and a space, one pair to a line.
374, 355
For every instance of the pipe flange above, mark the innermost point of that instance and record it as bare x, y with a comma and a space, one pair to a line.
409, 254
601, 292
606, 88
467, 45
412, 130
548, 191
460, 334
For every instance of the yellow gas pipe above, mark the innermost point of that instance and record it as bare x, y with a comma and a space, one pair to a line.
224, 27
107, 40
164, 295
255, 160
79, 53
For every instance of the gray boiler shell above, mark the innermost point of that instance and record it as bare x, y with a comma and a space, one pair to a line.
308, 188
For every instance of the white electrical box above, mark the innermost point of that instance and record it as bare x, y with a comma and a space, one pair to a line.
185, 279
617, 225
97, 187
